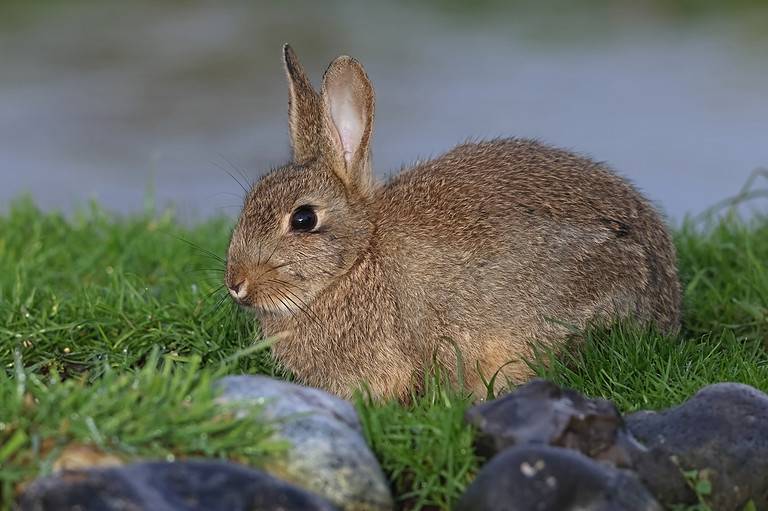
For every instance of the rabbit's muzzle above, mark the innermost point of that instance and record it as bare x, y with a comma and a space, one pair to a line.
239, 290
263, 289
242, 284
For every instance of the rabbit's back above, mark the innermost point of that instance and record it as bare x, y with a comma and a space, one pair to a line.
511, 229
502, 177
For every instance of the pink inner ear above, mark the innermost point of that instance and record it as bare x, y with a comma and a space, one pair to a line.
348, 119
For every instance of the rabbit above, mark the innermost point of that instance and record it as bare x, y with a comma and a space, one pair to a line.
486, 251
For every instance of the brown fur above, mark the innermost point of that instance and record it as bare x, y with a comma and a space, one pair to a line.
485, 248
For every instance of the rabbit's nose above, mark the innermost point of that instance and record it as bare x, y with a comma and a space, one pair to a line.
239, 290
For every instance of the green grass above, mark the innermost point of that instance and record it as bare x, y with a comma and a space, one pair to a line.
95, 292
164, 411
97, 312
425, 448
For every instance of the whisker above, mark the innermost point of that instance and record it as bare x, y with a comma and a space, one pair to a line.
272, 269
274, 305
288, 263
229, 173
305, 309
208, 280
287, 284
274, 249
237, 181
198, 247
215, 308
238, 169
282, 293
219, 288
291, 311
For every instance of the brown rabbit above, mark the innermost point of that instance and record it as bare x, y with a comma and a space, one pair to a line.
487, 248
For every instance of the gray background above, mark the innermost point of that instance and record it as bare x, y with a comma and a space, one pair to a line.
109, 100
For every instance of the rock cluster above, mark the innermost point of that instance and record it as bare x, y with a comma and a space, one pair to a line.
327, 465
182, 486
554, 449
549, 449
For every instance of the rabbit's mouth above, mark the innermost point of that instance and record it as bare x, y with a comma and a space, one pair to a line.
262, 302
268, 291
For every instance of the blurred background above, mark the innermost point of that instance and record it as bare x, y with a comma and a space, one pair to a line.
120, 101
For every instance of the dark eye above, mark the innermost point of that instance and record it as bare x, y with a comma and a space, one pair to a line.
303, 219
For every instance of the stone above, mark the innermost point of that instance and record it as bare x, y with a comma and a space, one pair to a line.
540, 412
160, 486
328, 453
544, 478
722, 431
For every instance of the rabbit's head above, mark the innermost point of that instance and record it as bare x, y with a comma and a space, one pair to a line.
305, 224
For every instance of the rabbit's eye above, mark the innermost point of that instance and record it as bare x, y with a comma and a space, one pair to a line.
303, 219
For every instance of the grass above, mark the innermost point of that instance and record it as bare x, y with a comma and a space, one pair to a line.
165, 410
98, 313
97, 292
425, 448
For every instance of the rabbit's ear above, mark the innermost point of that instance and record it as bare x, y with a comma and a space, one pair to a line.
304, 109
348, 102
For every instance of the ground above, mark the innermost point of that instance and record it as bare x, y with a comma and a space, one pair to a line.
111, 330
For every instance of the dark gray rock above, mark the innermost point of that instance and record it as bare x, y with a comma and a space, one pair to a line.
158, 486
328, 453
722, 430
540, 412
543, 478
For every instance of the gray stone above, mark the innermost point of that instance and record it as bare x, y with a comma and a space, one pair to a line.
159, 486
328, 453
540, 412
723, 431
543, 478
